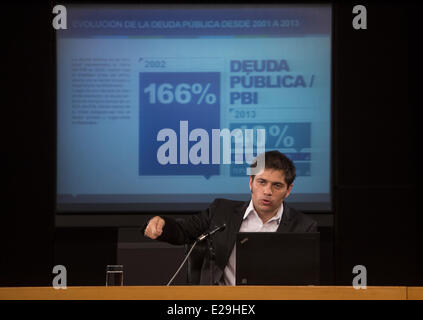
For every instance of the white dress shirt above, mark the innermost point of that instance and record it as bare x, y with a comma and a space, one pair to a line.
251, 222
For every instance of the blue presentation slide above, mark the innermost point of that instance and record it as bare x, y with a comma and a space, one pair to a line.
158, 106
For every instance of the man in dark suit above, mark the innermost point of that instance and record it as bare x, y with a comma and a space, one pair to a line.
265, 212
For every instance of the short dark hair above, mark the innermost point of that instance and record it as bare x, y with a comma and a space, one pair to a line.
278, 161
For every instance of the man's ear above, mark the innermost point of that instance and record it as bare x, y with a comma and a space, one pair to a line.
251, 183
289, 190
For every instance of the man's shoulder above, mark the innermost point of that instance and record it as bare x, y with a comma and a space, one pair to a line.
299, 216
294, 212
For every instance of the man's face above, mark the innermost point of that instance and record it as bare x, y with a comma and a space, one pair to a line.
268, 190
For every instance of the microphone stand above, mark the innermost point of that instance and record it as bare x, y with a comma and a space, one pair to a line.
206, 236
183, 262
212, 259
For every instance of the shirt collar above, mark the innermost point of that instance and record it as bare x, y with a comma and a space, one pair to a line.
251, 209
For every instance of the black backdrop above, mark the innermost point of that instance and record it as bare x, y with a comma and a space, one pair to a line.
374, 118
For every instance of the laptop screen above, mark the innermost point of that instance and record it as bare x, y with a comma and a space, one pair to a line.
274, 258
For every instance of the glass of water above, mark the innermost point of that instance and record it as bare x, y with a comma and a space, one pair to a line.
114, 275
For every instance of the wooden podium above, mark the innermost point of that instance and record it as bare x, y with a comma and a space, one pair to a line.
212, 293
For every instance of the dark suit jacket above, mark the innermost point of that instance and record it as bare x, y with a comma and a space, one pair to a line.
230, 212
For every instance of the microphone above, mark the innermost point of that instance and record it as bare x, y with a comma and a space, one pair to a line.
210, 233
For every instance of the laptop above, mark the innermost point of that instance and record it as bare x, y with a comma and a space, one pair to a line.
275, 258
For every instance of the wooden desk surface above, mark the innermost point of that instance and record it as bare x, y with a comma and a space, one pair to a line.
415, 293
210, 293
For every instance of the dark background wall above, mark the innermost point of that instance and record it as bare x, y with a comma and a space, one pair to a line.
374, 153
375, 220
